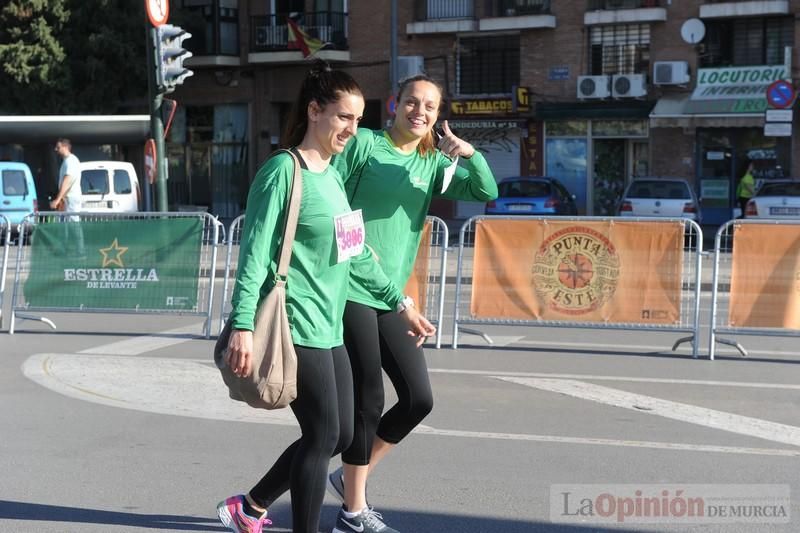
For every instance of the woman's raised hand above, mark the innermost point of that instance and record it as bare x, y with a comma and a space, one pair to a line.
453, 146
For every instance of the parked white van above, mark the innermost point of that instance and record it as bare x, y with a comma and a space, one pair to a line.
109, 187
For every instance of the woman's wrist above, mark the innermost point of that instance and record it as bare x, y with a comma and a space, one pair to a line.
404, 304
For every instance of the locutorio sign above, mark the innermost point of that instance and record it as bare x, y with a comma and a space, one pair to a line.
143, 265
734, 89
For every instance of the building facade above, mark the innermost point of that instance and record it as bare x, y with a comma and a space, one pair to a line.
592, 92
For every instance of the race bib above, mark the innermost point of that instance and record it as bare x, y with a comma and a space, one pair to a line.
349, 229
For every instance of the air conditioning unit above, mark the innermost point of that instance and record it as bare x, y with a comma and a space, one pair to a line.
671, 72
270, 36
593, 87
261, 36
628, 86
408, 66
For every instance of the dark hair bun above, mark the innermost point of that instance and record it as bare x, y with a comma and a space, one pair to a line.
319, 67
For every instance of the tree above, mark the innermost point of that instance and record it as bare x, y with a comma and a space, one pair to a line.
105, 41
31, 54
73, 57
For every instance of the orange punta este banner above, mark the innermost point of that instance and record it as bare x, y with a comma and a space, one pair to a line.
765, 276
594, 271
417, 286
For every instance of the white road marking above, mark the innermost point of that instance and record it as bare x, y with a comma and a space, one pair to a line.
676, 446
149, 343
743, 425
157, 385
590, 377
500, 340
193, 388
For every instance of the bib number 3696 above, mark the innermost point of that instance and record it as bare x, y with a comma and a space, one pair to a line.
349, 228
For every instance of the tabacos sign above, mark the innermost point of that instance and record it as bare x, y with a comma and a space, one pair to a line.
517, 103
105, 277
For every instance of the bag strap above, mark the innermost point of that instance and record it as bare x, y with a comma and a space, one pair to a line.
293, 211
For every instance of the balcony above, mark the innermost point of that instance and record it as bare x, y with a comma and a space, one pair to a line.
442, 16
518, 15
624, 12
743, 8
269, 37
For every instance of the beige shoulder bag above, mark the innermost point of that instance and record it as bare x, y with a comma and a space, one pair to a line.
273, 382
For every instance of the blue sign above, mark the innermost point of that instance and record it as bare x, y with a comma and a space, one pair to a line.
780, 94
558, 73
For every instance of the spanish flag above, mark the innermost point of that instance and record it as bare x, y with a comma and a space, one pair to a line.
300, 40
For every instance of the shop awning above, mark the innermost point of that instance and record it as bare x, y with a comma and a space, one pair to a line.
677, 112
618, 109
99, 129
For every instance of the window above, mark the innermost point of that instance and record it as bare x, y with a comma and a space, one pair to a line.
743, 42
524, 189
122, 182
214, 25
620, 49
488, 65
14, 183
94, 181
511, 8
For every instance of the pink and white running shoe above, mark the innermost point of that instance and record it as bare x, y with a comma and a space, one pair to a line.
231, 514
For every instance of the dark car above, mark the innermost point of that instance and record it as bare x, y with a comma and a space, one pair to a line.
532, 195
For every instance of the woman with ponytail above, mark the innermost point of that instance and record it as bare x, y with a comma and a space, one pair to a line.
392, 176
325, 117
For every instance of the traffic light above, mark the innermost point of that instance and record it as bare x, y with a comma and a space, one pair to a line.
170, 54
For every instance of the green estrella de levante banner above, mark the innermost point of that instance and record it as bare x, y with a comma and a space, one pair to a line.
149, 264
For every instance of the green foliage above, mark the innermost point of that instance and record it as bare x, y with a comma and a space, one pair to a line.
73, 56
31, 53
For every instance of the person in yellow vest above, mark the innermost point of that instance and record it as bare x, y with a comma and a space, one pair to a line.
746, 188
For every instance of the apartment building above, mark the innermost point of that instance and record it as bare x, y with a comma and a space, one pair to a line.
593, 92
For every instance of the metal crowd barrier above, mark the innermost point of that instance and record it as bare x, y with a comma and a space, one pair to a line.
434, 293
689, 313
5, 234
724, 244
166, 281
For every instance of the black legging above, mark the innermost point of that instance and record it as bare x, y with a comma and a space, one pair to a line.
324, 410
743, 205
376, 339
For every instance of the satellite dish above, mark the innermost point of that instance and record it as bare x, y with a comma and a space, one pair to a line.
693, 31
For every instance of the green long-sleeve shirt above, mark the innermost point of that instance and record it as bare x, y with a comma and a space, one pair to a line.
316, 286
394, 191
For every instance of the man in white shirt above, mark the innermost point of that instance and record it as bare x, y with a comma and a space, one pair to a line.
69, 192
69, 178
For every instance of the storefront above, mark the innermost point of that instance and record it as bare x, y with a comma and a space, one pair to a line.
208, 159
724, 116
595, 150
498, 128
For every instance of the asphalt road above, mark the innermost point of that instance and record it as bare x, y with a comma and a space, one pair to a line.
120, 423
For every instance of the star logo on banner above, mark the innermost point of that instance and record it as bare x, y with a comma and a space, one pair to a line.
113, 254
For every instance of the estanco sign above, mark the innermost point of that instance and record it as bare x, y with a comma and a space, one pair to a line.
734, 89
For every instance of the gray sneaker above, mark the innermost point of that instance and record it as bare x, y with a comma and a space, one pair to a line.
335, 484
369, 521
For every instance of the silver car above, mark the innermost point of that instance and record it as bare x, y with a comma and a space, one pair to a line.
775, 199
660, 197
